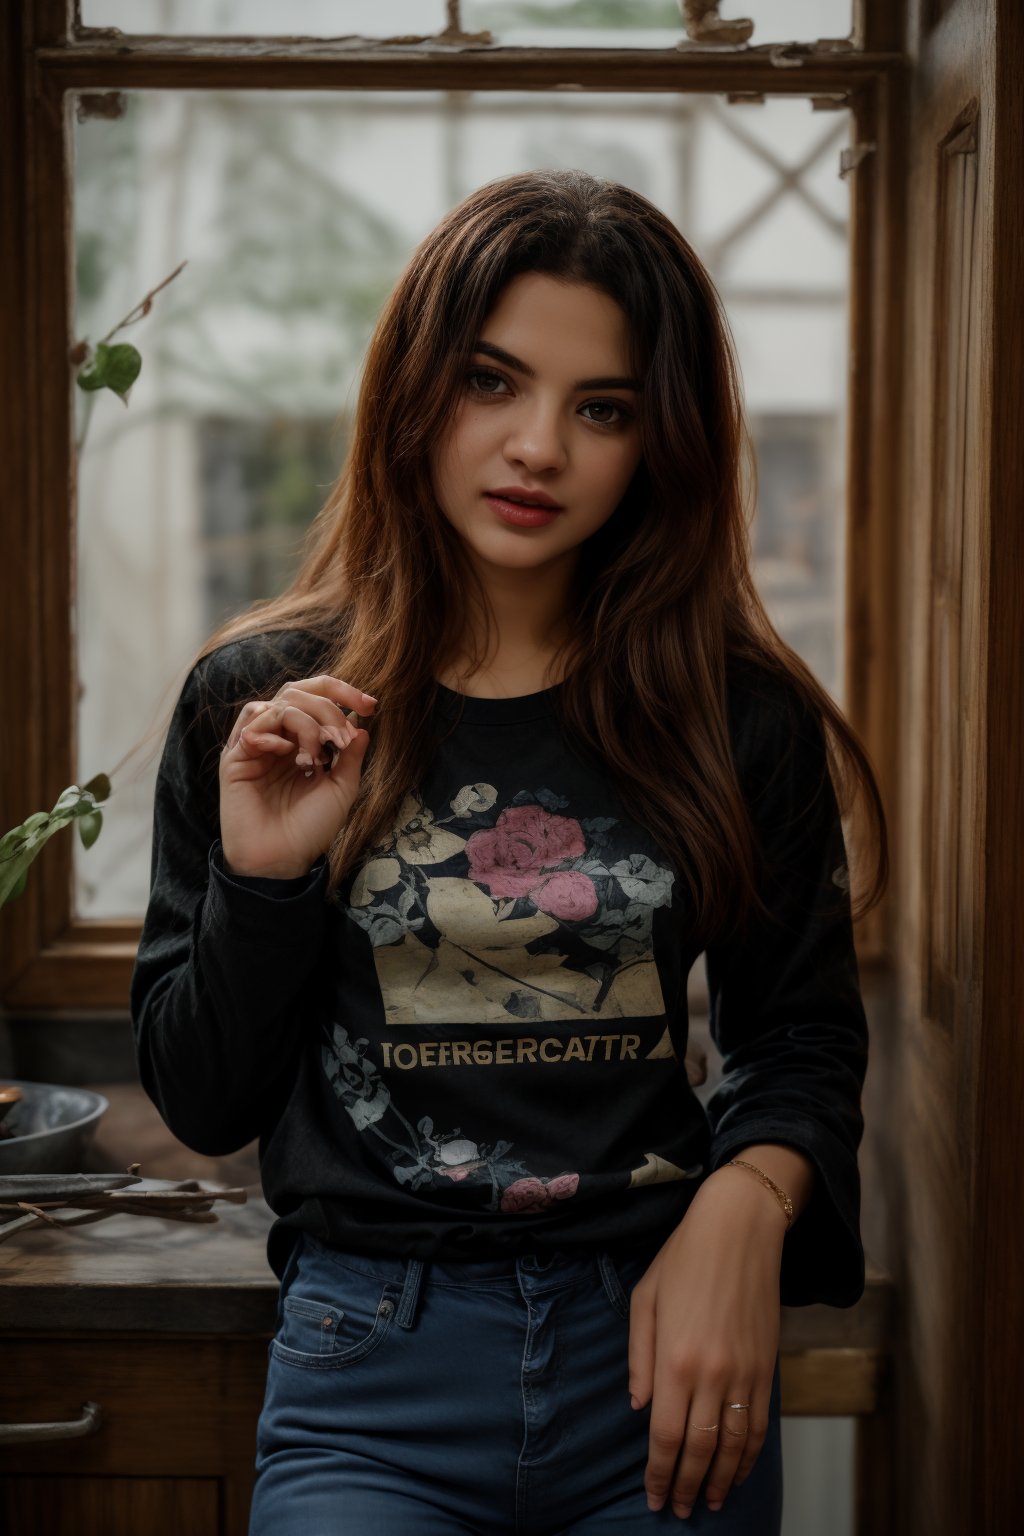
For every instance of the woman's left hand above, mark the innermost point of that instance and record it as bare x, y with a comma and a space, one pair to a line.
704, 1331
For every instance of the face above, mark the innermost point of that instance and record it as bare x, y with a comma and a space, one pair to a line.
546, 408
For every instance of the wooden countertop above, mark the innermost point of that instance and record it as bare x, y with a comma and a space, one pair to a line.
148, 1274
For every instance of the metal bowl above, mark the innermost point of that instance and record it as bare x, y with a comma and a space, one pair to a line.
52, 1127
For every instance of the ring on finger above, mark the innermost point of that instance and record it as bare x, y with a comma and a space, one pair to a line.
745, 1408
737, 1433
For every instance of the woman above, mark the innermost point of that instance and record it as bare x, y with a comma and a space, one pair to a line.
431, 945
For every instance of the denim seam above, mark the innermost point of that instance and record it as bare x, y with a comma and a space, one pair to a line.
614, 1289
522, 1468
406, 1314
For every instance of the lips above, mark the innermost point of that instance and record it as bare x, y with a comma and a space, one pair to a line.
526, 498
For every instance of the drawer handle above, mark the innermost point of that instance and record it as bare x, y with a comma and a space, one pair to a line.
71, 1429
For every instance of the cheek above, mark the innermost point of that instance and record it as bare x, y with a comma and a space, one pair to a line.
453, 460
443, 460
617, 469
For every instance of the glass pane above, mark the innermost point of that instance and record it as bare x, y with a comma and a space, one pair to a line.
515, 23
646, 23
267, 18
576, 23
295, 213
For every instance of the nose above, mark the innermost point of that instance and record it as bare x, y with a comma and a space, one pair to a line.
536, 439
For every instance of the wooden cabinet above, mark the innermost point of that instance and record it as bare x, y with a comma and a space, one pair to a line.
157, 1434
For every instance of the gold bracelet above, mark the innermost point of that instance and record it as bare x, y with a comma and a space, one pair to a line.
780, 1194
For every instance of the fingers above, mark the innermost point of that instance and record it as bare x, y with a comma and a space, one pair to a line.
733, 1442
321, 699
760, 1398
279, 726
344, 695
701, 1429
694, 1435
667, 1428
641, 1343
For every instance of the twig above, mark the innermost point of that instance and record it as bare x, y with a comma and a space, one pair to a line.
185, 1201
145, 305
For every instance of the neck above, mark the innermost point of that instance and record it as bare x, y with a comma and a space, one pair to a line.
529, 617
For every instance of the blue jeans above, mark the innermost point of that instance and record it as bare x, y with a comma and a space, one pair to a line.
471, 1398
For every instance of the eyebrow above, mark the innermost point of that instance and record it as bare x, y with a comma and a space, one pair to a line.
501, 356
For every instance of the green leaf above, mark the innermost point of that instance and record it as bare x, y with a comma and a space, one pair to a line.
98, 786
33, 823
19, 846
13, 873
89, 827
114, 368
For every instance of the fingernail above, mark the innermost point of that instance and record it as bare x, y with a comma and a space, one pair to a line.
634, 1402
653, 1503
683, 1511
369, 698
714, 1504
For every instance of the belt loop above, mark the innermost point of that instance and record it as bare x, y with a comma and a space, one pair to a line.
406, 1314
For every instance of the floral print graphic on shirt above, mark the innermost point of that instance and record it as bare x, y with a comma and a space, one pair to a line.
419, 1158
522, 916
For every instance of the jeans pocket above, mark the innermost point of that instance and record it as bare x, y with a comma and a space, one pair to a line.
612, 1284
620, 1274
331, 1315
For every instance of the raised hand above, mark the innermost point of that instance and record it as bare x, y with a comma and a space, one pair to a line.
289, 775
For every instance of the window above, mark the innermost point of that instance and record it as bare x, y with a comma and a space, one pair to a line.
194, 498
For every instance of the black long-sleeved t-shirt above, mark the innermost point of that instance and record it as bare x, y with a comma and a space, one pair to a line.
475, 1046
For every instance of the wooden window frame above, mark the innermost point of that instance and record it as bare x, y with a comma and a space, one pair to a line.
51, 959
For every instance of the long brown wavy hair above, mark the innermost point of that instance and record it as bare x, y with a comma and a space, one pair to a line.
663, 595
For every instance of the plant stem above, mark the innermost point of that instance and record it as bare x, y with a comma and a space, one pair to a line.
144, 306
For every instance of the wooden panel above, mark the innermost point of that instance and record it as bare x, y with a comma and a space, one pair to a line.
949, 314
19, 535
37, 542
175, 1408
951, 731
952, 1139
109, 1506
168, 1407
832, 1381
256, 64
997, 1189
871, 450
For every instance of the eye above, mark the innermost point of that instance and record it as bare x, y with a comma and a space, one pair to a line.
483, 373
490, 378
609, 405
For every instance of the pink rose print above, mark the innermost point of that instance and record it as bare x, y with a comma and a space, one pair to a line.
535, 1195
524, 1195
526, 840
568, 895
565, 1185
